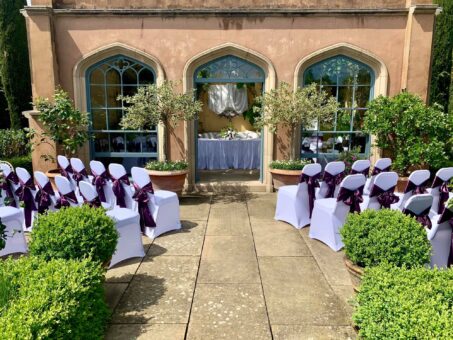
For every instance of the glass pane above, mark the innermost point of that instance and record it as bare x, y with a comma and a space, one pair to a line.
150, 143
98, 117
146, 77
101, 142
344, 120
359, 141
362, 96
97, 97
112, 94
112, 77
97, 77
327, 126
115, 119
310, 142
358, 119
341, 142
134, 141
117, 142
326, 143
312, 75
129, 90
129, 77
345, 96
364, 76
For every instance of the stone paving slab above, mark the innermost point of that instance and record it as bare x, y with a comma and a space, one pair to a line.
301, 332
262, 207
146, 332
228, 247
330, 262
230, 309
228, 270
297, 293
229, 220
160, 292
278, 239
113, 293
194, 208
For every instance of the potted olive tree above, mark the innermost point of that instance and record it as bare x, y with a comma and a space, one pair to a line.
285, 108
414, 135
63, 124
160, 104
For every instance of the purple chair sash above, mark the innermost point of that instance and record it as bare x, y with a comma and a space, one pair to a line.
25, 195
64, 200
352, 198
43, 197
99, 181
332, 181
67, 172
312, 184
364, 172
7, 187
118, 190
416, 189
443, 193
142, 197
377, 171
385, 197
422, 217
79, 176
94, 203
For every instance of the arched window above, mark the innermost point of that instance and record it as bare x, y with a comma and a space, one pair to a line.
106, 80
351, 83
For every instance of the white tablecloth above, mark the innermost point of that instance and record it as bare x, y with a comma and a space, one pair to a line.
228, 154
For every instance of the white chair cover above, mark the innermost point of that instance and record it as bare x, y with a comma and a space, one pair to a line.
418, 203
88, 191
13, 219
385, 181
361, 165
293, 202
329, 215
417, 177
97, 168
381, 163
24, 176
78, 166
64, 187
6, 171
127, 223
117, 171
445, 174
440, 237
164, 206
41, 180
63, 163
334, 168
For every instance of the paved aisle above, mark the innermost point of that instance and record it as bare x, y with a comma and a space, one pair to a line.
232, 272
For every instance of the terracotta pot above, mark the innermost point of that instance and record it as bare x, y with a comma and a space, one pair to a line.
51, 175
284, 177
168, 180
401, 185
355, 272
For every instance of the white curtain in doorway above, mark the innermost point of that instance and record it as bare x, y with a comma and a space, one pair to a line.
228, 100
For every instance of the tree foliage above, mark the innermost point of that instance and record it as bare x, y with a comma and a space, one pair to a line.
14, 65
413, 133
442, 56
287, 108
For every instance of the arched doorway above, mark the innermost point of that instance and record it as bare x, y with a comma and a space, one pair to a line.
105, 81
228, 146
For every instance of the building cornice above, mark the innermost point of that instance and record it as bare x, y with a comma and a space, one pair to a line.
250, 12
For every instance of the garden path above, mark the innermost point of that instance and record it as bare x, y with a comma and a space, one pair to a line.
231, 272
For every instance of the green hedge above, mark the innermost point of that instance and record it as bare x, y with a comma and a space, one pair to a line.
399, 303
21, 161
13, 143
58, 299
74, 233
374, 237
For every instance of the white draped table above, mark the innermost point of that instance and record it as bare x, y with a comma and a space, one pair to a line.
229, 154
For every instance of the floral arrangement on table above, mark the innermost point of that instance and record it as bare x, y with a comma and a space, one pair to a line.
349, 157
228, 133
167, 165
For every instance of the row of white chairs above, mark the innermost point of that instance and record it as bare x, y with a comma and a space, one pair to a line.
326, 216
163, 206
